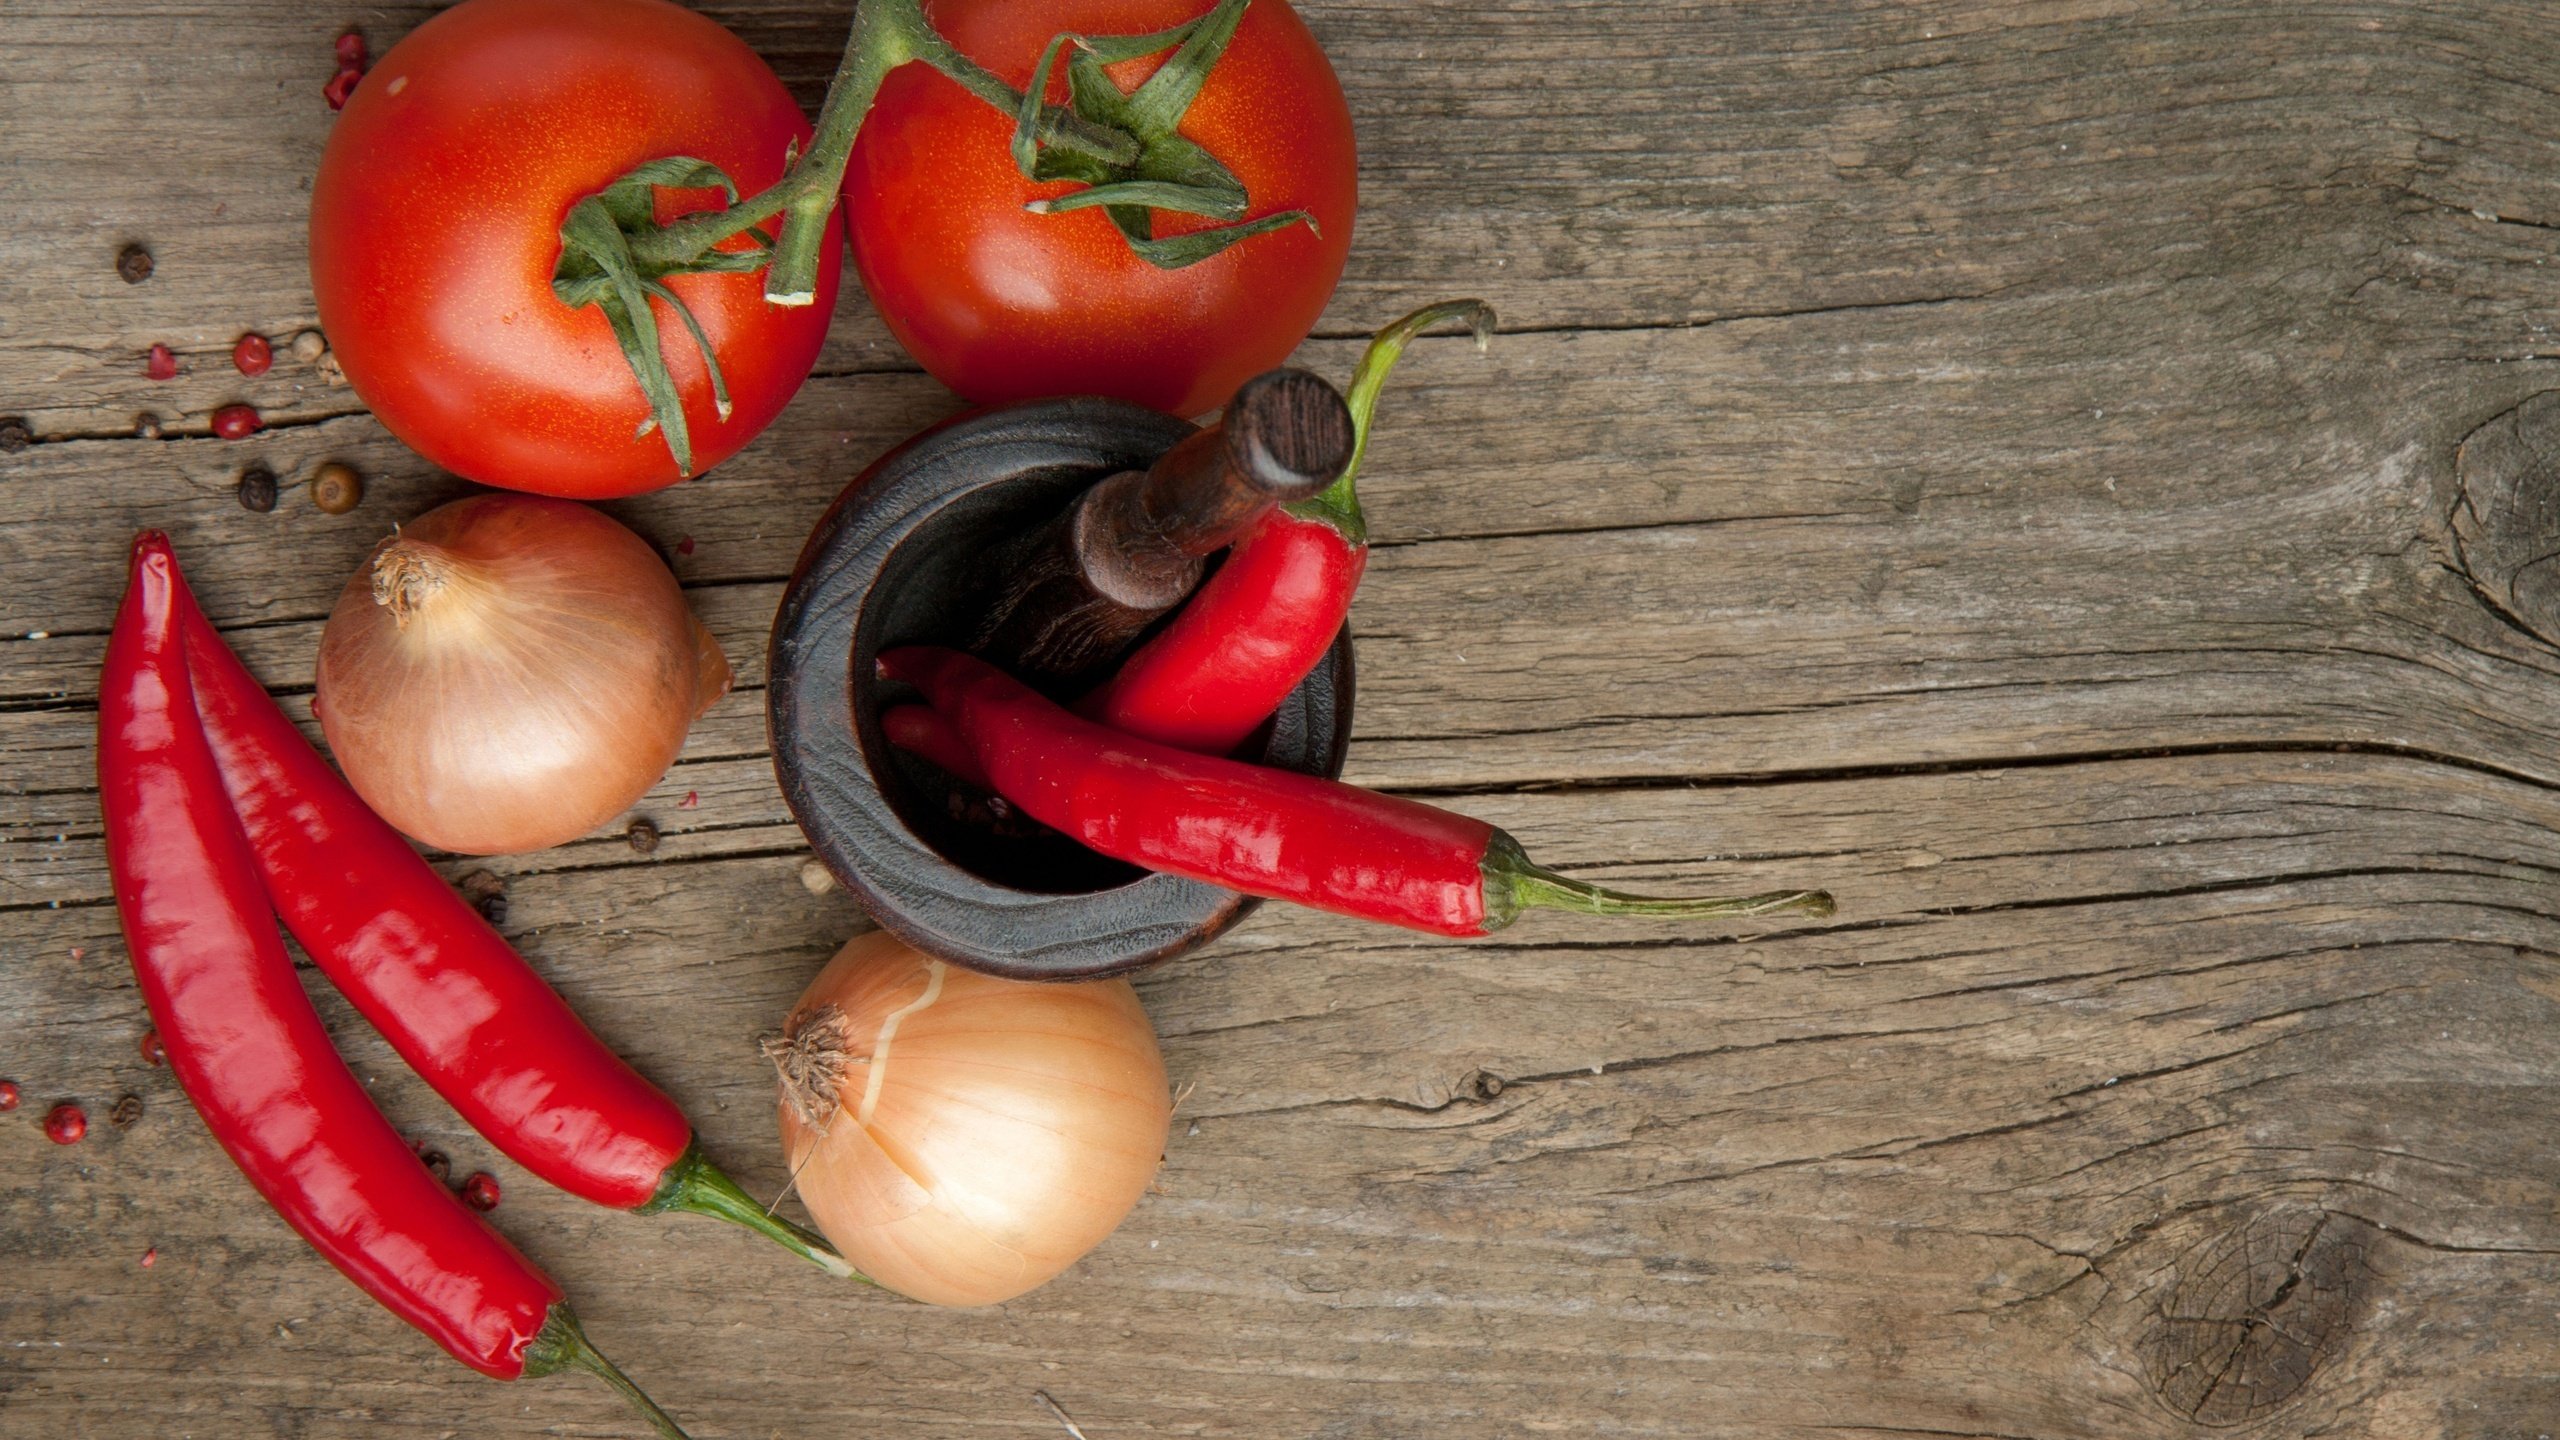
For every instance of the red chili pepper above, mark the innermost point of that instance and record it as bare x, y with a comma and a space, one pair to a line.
1266, 832
1258, 626
1253, 630
458, 1003
921, 731
248, 1048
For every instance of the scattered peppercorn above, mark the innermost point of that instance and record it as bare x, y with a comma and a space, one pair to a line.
258, 489
160, 363
437, 1165
252, 355
330, 370
65, 1123
133, 263
15, 436
643, 836
488, 893
690, 800
150, 1257
351, 50
340, 87
480, 1192
336, 488
152, 1054
146, 426
816, 878
684, 546
308, 347
8, 1096
232, 422
128, 1110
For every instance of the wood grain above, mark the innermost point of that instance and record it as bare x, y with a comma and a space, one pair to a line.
2070, 475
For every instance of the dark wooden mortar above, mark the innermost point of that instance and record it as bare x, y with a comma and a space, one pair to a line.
893, 562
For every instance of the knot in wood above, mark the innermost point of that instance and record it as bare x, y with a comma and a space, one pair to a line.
2507, 526
2249, 1314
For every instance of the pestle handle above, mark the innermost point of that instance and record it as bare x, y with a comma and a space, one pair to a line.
1065, 600
1140, 538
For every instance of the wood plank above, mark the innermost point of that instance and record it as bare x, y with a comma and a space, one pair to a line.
2066, 474
1503, 1160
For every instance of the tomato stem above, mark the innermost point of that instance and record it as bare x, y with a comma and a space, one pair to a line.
886, 34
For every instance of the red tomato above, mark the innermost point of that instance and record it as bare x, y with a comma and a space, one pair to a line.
1002, 304
435, 226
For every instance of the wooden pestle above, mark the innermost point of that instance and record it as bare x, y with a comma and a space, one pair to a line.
1069, 598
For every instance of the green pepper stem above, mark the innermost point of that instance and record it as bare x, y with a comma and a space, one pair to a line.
563, 1345
695, 1185
1338, 504
886, 34
1514, 883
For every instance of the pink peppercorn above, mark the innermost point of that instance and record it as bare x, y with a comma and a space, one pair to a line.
231, 422
340, 86
351, 51
480, 1192
65, 1123
253, 355
8, 1096
160, 363
150, 1257
152, 1055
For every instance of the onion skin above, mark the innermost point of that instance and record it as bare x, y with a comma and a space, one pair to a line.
1015, 1124
508, 672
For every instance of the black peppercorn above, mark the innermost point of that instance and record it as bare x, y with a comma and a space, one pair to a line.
134, 264
15, 435
643, 836
258, 489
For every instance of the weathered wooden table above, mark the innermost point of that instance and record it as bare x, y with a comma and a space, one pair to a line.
2065, 474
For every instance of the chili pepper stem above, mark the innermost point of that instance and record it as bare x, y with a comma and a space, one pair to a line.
695, 1185
886, 34
1514, 883
562, 1345
1338, 504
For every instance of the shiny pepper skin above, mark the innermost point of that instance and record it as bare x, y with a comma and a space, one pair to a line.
65, 1124
253, 355
234, 422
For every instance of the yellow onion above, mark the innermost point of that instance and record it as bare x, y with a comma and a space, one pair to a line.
510, 671
962, 1139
